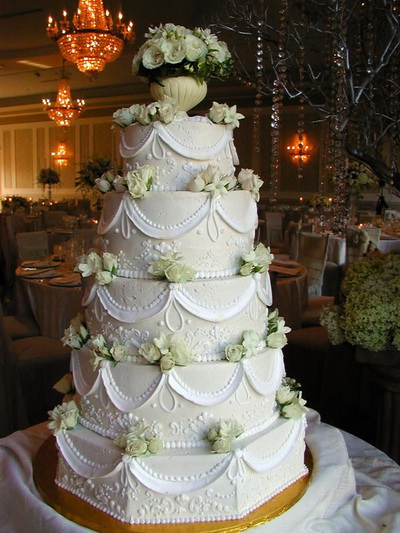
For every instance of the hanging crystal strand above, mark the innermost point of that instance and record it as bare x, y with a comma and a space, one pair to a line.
339, 107
394, 80
258, 86
277, 101
300, 119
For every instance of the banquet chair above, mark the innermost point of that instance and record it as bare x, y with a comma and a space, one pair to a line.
313, 250
356, 244
53, 219
86, 236
274, 235
291, 240
12, 408
32, 245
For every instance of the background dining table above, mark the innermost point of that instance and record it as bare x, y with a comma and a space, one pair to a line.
51, 306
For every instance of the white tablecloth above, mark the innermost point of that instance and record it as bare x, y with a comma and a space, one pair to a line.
387, 245
354, 488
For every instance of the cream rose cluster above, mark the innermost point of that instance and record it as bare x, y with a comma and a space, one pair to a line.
247, 348
63, 417
257, 260
101, 351
139, 440
276, 337
163, 110
170, 266
223, 114
222, 435
103, 267
76, 335
168, 351
289, 399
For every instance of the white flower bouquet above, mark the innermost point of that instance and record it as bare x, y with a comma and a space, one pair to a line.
139, 440
172, 268
223, 434
167, 351
172, 51
103, 267
289, 399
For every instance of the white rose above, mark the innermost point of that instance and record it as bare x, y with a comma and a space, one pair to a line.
136, 447
98, 342
103, 185
104, 277
153, 57
276, 340
174, 51
220, 51
109, 261
196, 184
285, 394
148, 174
166, 363
295, 410
92, 265
177, 273
181, 353
217, 112
155, 445
120, 184
222, 445
234, 352
195, 48
167, 110
123, 117
246, 269
136, 185
72, 340
251, 340
118, 352
150, 352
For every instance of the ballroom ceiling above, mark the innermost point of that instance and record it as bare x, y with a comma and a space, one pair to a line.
30, 63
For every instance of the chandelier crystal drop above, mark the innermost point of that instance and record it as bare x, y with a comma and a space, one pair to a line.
64, 111
91, 39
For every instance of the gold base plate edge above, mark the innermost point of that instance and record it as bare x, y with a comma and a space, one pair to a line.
82, 513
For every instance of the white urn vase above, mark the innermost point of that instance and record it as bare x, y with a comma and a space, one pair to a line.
187, 91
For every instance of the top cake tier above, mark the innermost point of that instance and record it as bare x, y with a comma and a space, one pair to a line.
180, 149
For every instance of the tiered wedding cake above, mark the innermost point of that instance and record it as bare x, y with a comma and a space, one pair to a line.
181, 411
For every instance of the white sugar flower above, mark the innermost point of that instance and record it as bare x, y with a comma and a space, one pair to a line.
104, 277
92, 265
179, 273
217, 112
232, 117
150, 352
285, 394
234, 352
296, 409
110, 262
250, 182
251, 340
63, 417
123, 117
118, 352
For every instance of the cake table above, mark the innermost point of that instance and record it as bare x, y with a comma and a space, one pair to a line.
354, 488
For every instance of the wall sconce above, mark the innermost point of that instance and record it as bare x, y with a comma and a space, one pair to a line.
60, 156
300, 149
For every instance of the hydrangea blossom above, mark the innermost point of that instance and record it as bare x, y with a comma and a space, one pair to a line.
222, 435
139, 440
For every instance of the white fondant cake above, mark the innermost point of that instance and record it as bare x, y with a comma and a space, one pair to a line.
201, 438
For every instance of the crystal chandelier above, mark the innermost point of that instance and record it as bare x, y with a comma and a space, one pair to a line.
60, 156
91, 39
63, 112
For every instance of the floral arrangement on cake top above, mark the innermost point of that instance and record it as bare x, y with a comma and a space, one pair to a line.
139, 440
369, 313
290, 400
172, 51
222, 435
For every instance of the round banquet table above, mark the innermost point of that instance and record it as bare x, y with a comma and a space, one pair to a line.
52, 307
388, 244
290, 296
354, 488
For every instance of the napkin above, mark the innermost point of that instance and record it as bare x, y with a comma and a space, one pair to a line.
72, 280
39, 263
39, 274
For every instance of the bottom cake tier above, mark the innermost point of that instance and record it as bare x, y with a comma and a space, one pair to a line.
189, 485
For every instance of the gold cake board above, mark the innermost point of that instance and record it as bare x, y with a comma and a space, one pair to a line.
81, 512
